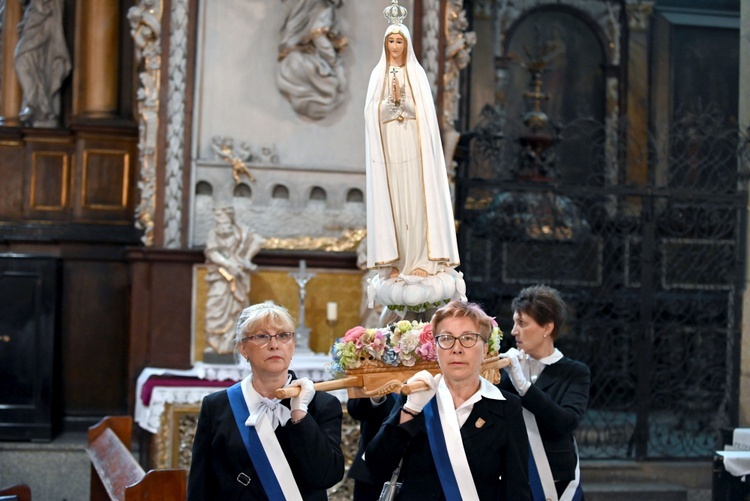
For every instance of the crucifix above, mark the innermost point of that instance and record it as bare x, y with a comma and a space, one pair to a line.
396, 89
302, 276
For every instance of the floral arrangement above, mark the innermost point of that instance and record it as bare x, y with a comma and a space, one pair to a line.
404, 343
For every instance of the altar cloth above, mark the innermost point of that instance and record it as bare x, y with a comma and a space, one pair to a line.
156, 387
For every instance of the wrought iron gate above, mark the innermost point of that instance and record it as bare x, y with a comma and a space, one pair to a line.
647, 246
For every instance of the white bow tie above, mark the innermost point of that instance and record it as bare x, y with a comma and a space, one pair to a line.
270, 409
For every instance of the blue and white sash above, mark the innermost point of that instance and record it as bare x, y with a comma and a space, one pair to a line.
450, 461
540, 474
265, 452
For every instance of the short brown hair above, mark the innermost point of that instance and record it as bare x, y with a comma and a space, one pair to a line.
543, 304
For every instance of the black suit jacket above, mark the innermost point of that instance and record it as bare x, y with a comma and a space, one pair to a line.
311, 446
496, 445
558, 400
370, 419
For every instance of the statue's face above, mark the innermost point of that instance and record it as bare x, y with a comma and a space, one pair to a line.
395, 46
223, 221
222, 217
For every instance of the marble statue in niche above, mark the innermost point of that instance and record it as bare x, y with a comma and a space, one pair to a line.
42, 61
229, 252
310, 71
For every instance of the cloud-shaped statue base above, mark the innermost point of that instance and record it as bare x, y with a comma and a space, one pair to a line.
411, 293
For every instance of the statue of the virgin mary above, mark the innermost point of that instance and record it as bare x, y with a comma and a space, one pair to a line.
411, 235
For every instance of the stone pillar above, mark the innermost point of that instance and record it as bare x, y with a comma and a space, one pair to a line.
97, 51
744, 121
10, 92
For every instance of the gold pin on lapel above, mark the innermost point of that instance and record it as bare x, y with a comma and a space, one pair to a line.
480, 422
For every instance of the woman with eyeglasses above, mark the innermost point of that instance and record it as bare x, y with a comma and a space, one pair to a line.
250, 445
463, 438
554, 391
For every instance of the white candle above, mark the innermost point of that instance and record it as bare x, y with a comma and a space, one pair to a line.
302, 266
332, 311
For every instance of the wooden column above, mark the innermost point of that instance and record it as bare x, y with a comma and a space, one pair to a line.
96, 72
10, 92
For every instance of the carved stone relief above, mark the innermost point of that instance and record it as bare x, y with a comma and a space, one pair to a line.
177, 70
289, 207
457, 57
310, 71
145, 27
431, 41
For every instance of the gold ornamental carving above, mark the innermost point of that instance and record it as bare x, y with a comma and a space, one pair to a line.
145, 28
347, 242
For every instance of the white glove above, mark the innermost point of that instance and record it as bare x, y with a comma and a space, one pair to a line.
306, 394
511, 353
417, 400
517, 377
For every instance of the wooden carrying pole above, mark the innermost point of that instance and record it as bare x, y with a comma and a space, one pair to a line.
381, 383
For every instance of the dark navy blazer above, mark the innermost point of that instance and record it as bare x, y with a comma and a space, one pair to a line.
311, 446
558, 400
496, 445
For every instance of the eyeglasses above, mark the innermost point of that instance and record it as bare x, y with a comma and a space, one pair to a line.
467, 340
263, 339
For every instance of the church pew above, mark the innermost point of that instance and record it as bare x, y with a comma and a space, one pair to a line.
18, 492
116, 474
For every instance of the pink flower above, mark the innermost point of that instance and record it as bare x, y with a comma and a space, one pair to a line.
427, 352
377, 346
426, 336
378, 342
354, 334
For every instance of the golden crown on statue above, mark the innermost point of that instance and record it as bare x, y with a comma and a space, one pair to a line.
394, 13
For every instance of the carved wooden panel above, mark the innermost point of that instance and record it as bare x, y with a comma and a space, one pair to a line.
48, 189
11, 189
174, 440
65, 184
104, 178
